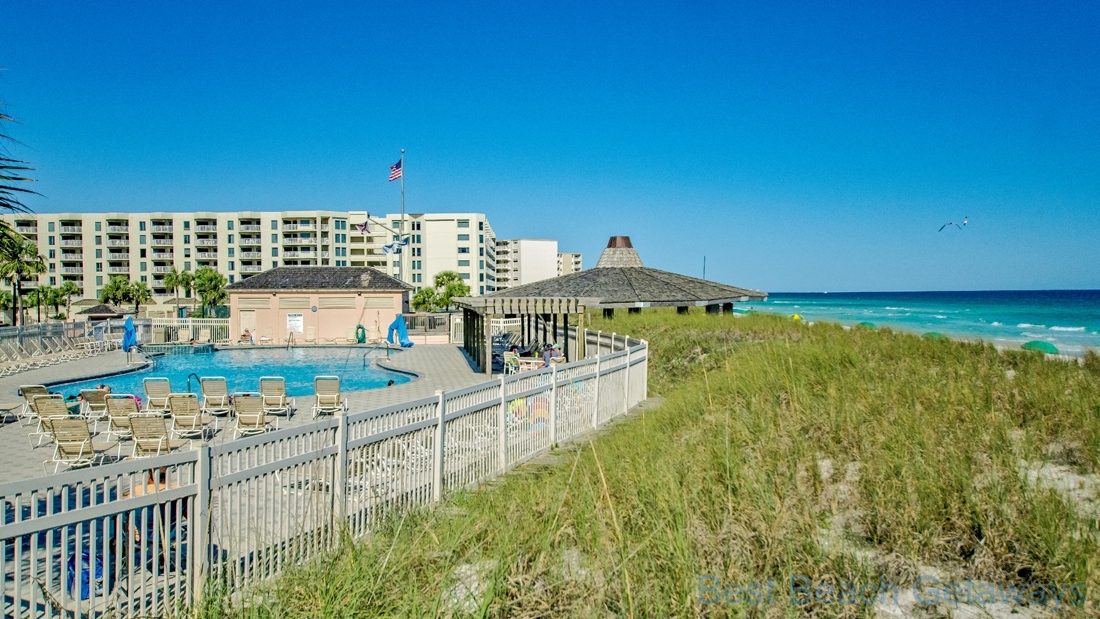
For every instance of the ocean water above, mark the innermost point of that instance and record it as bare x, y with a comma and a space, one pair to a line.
1069, 319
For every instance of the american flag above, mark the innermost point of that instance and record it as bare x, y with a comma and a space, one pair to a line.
395, 171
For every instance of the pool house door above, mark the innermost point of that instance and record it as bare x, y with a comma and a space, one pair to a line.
248, 321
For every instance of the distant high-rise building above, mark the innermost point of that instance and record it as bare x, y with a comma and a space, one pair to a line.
522, 261
568, 263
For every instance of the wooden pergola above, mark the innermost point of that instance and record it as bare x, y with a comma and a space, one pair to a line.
539, 321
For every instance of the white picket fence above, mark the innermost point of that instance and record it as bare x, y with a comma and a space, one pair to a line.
143, 537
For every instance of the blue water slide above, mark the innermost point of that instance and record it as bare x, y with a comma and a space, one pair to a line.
398, 326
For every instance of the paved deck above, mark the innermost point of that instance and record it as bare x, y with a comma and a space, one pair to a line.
438, 367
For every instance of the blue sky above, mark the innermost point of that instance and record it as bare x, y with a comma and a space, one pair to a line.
797, 146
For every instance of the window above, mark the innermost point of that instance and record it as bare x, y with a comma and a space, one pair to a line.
481, 225
142, 267
274, 224
463, 263
481, 238
274, 252
98, 282
49, 227
98, 226
98, 240
186, 252
481, 251
274, 263
53, 281
99, 267
99, 253
187, 225
141, 239
416, 251
417, 240
230, 251
464, 275
396, 224
50, 240
52, 254
463, 223
231, 277
141, 252
463, 250
141, 226
232, 266
464, 237
397, 263
481, 264
230, 238
229, 224
144, 278
416, 226
274, 238
53, 267
480, 277
187, 266
186, 237
482, 289
417, 278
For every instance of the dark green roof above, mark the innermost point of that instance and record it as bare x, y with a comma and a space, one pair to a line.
319, 278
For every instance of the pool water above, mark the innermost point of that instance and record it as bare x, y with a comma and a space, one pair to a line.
242, 370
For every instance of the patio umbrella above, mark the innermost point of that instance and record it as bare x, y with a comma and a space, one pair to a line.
129, 335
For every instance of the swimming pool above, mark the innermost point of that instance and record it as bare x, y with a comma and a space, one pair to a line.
242, 370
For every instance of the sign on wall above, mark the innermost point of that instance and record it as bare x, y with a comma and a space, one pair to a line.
295, 323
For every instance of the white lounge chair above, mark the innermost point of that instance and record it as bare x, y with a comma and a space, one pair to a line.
251, 418
275, 400
329, 400
215, 396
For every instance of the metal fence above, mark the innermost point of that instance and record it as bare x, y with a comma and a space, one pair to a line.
143, 537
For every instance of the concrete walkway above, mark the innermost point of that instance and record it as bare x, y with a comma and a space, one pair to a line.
438, 367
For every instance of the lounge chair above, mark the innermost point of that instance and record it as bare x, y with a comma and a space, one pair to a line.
250, 415
157, 391
204, 336
265, 337
273, 392
47, 407
150, 432
329, 401
94, 408
30, 392
215, 396
73, 444
188, 418
311, 335
351, 338
119, 409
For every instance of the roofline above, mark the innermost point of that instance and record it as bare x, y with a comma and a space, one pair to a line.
741, 299
277, 290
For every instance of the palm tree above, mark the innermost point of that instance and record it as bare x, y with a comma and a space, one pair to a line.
116, 292
140, 293
425, 300
19, 260
6, 301
175, 279
448, 285
210, 285
42, 296
11, 173
68, 289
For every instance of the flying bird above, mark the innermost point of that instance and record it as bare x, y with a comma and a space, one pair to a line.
965, 221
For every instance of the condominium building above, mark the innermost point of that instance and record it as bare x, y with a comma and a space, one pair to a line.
89, 248
522, 261
568, 263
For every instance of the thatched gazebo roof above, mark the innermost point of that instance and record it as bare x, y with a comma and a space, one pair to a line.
620, 280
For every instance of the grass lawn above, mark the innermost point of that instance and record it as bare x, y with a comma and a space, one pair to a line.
779, 449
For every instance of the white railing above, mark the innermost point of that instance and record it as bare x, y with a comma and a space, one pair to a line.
147, 535
249, 227
215, 330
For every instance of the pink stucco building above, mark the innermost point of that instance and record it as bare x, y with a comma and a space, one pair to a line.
324, 304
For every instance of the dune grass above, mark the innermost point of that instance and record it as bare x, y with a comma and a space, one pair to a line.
779, 449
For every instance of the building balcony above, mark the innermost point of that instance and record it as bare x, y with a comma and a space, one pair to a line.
26, 229
118, 242
250, 255
163, 255
71, 229
294, 240
162, 228
118, 270
304, 253
207, 228
161, 242
324, 254
251, 268
119, 256
324, 226
206, 255
118, 228
72, 257
206, 242
72, 270
71, 243
157, 268
290, 226
249, 228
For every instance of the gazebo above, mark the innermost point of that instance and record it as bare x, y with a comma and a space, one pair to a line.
619, 281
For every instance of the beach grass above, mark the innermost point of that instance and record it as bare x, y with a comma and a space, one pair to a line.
778, 449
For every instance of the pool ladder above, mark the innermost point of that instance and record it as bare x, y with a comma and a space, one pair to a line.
189, 381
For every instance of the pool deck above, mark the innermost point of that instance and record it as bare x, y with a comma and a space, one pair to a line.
439, 367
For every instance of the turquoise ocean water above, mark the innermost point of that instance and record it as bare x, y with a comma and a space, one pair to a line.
1069, 319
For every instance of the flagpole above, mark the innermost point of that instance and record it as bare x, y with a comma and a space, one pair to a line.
401, 233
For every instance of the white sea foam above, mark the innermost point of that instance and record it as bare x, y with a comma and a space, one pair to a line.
939, 316
1028, 325
996, 324
1067, 328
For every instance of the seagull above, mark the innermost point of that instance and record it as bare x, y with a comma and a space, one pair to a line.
965, 221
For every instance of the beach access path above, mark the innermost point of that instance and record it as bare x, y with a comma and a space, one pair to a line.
438, 367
